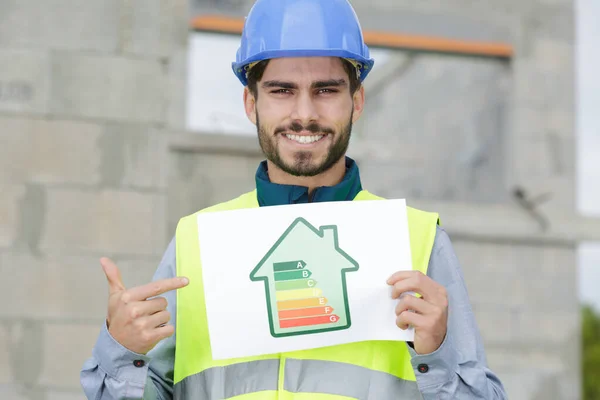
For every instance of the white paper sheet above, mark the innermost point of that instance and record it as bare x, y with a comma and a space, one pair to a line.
274, 277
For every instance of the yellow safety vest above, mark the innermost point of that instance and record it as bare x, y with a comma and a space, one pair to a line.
364, 370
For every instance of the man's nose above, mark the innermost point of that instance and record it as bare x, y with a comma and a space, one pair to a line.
305, 110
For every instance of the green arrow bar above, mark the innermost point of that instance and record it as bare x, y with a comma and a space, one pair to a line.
296, 284
289, 275
288, 266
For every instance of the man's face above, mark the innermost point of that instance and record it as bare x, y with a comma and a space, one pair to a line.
304, 113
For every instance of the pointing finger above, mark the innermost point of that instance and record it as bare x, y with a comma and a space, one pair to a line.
155, 288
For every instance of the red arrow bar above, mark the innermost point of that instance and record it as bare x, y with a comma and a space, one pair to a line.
295, 322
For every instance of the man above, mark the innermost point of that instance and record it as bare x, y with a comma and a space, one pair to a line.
302, 63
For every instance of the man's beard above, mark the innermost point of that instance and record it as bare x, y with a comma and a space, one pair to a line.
302, 164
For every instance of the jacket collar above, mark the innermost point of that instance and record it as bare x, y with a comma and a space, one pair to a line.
272, 194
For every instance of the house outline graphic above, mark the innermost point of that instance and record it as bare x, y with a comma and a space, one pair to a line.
265, 271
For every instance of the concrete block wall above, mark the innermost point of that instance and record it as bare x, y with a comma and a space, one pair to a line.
538, 148
435, 128
526, 304
197, 180
88, 95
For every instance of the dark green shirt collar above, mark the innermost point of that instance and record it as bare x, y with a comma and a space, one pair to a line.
272, 194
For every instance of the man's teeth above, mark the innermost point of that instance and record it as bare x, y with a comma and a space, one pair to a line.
304, 139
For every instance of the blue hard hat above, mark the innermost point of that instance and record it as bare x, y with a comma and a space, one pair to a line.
301, 28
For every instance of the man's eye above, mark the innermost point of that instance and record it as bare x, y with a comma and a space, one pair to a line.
280, 91
324, 91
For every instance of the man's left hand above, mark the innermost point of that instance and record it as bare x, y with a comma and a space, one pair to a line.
428, 314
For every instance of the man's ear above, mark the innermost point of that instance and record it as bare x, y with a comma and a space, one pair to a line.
250, 105
359, 103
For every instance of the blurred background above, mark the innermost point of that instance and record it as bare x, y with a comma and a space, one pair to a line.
118, 117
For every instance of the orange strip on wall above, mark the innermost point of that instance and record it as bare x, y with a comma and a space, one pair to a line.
215, 23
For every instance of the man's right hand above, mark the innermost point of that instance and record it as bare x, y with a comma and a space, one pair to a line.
134, 321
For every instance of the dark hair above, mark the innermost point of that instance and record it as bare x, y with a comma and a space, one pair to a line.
256, 74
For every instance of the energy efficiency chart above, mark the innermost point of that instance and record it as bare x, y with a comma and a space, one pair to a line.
299, 300
304, 274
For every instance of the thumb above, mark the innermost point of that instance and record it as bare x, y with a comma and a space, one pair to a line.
113, 275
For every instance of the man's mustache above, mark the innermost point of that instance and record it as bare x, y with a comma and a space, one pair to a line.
297, 127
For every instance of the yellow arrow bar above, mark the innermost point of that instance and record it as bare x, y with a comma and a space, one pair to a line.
283, 295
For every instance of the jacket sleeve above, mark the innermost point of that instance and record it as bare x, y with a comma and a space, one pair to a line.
115, 373
458, 368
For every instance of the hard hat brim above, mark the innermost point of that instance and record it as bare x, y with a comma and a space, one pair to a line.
366, 64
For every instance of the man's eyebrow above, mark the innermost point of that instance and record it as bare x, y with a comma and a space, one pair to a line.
279, 84
329, 83
315, 85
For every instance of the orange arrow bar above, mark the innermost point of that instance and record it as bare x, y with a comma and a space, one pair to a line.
301, 303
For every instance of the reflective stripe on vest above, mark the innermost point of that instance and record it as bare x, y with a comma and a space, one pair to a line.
370, 369
301, 376
316, 376
220, 383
